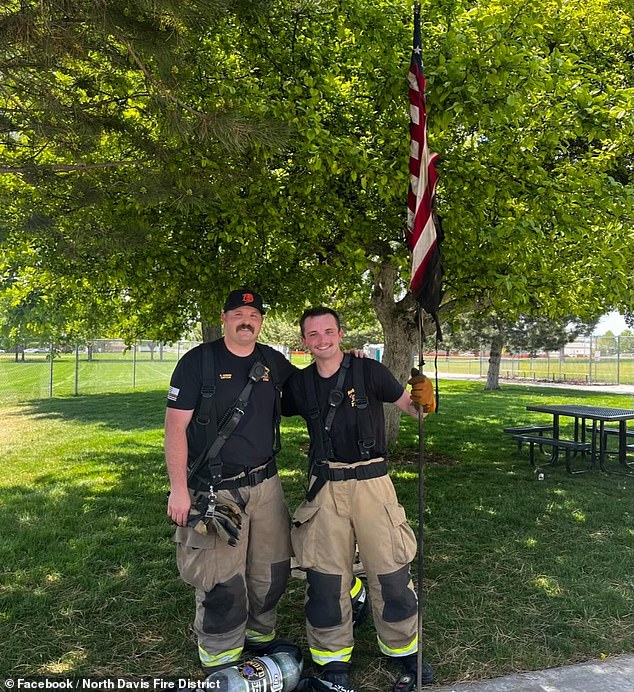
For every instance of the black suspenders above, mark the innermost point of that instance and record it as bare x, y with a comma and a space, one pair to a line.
321, 443
207, 416
320, 434
217, 432
366, 439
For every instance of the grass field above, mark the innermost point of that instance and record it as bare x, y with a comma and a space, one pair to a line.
106, 373
519, 574
120, 372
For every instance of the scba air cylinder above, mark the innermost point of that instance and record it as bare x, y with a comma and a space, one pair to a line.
278, 672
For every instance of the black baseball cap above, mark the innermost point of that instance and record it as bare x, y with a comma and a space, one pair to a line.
244, 297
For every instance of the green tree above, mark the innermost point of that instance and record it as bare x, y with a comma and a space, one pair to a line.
528, 106
475, 331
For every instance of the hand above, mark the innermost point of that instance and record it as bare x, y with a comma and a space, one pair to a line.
356, 352
422, 393
178, 504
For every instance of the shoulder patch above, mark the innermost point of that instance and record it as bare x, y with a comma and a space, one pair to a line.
173, 393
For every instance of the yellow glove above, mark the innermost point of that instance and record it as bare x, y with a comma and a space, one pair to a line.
423, 393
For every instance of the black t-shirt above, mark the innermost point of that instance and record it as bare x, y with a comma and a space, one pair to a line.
251, 443
380, 386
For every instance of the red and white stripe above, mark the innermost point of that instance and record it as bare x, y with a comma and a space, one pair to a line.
421, 230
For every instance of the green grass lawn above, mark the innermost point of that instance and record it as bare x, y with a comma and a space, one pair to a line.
106, 373
519, 574
120, 372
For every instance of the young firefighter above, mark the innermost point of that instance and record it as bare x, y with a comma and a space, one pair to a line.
232, 547
351, 500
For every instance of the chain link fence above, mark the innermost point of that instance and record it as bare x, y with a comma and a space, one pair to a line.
35, 370
593, 360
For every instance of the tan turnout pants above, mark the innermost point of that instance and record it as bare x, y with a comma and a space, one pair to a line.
238, 588
323, 537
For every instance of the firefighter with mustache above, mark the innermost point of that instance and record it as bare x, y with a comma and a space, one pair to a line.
221, 438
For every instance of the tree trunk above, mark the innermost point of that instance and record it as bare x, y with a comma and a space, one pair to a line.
495, 358
211, 332
399, 334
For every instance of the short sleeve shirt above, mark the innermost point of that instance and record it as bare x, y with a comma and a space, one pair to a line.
380, 385
251, 443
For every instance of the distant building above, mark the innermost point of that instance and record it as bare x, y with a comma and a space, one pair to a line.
582, 347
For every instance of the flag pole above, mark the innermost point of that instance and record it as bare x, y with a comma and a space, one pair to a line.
421, 511
424, 235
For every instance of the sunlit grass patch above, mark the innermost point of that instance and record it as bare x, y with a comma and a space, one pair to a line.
518, 574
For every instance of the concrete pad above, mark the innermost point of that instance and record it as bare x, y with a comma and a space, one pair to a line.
609, 675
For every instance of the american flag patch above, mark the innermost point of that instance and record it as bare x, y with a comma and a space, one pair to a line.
172, 395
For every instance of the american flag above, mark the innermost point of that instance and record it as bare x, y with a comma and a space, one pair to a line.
424, 233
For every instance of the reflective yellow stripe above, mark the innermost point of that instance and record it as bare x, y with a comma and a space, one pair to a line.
258, 638
411, 648
356, 587
324, 657
208, 659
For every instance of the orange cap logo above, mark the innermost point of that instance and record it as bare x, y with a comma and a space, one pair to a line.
247, 297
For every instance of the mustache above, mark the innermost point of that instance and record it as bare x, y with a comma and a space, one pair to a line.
246, 326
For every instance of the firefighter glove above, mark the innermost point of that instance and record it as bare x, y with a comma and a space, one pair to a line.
227, 521
423, 393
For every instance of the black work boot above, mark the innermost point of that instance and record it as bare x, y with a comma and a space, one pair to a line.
407, 680
333, 677
274, 646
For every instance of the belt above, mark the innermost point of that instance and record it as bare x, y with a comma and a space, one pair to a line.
360, 473
325, 473
251, 478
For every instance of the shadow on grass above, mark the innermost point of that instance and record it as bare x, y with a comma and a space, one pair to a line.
133, 411
89, 582
519, 574
470, 420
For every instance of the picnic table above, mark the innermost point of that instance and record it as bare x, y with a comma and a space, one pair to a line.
590, 437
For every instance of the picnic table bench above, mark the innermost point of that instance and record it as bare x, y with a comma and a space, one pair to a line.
614, 433
591, 434
527, 430
569, 446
